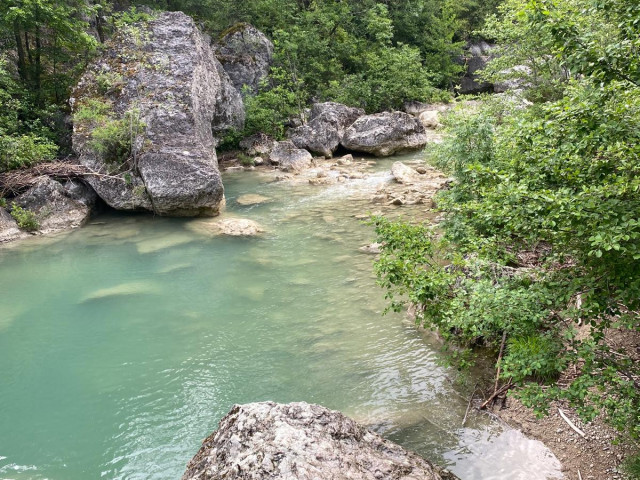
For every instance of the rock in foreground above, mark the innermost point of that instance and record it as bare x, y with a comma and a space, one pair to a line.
302, 441
385, 134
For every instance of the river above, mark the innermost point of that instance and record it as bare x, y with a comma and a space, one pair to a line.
123, 343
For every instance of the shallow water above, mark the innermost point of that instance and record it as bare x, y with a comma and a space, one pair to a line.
122, 344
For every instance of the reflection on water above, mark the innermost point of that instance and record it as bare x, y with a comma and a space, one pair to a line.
122, 344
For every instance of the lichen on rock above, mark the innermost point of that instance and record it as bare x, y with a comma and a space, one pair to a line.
304, 442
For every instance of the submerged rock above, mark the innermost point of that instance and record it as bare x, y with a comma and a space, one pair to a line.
290, 158
145, 114
252, 199
304, 442
385, 134
327, 124
58, 207
245, 53
234, 227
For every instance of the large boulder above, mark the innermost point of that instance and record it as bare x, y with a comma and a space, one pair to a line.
303, 442
246, 54
290, 158
476, 58
327, 124
385, 134
56, 206
145, 115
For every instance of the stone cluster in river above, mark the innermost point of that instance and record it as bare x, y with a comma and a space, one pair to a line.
305, 442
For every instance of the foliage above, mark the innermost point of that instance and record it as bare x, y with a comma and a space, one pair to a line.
631, 467
26, 219
115, 139
24, 150
543, 214
278, 100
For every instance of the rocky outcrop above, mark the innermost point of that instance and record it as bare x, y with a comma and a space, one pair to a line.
258, 144
289, 158
303, 442
476, 58
385, 134
327, 124
246, 54
9, 230
146, 113
56, 206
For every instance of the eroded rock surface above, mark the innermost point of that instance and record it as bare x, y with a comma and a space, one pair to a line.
327, 124
9, 230
289, 158
385, 134
476, 58
58, 207
246, 54
303, 442
162, 77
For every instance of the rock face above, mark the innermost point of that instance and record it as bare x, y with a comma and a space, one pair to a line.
289, 158
246, 54
385, 134
258, 144
9, 230
303, 442
161, 88
477, 57
58, 207
327, 124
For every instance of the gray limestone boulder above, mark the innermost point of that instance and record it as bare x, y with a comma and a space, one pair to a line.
303, 442
58, 207
148, 114
257, 144
9, 230
385, 134
327, 124
475, 59
246, 55
290, 158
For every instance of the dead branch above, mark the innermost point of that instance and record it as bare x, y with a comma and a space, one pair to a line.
571, 424
500, 391
15, 182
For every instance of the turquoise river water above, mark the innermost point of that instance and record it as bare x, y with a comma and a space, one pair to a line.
123, 343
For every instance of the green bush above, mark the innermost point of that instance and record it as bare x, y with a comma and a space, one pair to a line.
113, 139
24, 150
631, 466
26, 219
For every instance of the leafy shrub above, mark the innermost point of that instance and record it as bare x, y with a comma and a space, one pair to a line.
631, 466
24, 150
26, 219
114, 139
